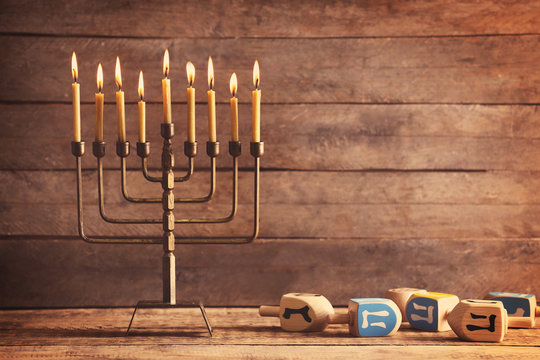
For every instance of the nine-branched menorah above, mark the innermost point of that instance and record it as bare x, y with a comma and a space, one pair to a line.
167, 199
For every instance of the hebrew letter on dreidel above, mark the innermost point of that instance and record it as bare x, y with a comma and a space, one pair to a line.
428, 318
302, 311
490, 328
365, 315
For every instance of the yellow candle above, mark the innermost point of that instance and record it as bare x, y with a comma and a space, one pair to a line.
166, 89
99, 105
233, 84
120, 107
256, 104
76, 91
190, 69
142, 110
211, 102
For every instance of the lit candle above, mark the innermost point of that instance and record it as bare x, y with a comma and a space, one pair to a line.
142, 110
256, 104
190, 70
233, 84
76, 90
166, 87
99, 105
120, 108
211, 102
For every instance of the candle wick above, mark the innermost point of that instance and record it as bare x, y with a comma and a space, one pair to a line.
257, 84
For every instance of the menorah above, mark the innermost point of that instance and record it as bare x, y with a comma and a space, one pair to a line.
167, 199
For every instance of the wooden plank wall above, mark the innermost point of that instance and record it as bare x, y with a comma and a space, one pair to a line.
402, 147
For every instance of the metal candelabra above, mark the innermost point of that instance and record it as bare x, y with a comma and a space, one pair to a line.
168, 201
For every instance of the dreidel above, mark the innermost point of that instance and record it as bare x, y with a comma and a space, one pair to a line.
304, 312
401, 297
313, 312
429, 311
373, 317
521, 308
479, 320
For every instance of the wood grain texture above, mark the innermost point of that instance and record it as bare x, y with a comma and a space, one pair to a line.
402, 149
411, 70
234, 352
327, 204
307, 137
276, 18
77, 274
238, 333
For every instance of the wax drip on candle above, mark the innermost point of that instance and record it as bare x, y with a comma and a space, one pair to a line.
118, 74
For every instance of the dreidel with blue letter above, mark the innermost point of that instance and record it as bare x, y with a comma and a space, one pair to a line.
401, 297
429, 311
521, 308
479, 320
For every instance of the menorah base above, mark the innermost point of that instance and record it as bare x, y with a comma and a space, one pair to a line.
156, 304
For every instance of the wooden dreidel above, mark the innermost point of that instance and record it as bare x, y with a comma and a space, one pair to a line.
429, 311
401, 296
479, 320
301, 312
373, 317
521, 308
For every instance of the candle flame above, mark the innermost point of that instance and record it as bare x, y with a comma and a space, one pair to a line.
166, 63
118, 74
99, 78
256, 75
141, 85
74, 68
210, 73
190, 70
233, 84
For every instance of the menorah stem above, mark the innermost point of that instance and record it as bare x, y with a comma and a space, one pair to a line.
167, 183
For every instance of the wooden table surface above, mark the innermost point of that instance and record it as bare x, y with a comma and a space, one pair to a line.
238, 333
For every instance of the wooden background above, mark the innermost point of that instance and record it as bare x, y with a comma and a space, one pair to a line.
402, 148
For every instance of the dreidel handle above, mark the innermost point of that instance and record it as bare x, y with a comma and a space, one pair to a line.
273, 311
339, 318
521, 322
266, 310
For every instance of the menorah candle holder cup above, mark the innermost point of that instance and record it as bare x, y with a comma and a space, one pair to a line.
168, 200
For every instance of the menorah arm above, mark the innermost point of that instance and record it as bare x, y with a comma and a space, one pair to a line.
102, 203
151, 178
206, 198
190, 150
78, 151
234, 198
257, 150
